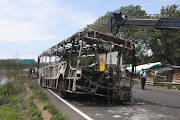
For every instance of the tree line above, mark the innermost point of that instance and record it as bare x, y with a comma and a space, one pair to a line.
14, 64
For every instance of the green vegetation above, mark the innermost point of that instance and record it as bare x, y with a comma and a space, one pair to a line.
11, 69
10, 92
33, 110
37, 92
178, 87
19, 73
12, 64
52, 109
13, 106
10, 101
10, 112
15, 73
164, 44
169, 86
158, 79
41, 96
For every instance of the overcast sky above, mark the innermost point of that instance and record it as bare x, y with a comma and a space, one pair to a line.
32, 26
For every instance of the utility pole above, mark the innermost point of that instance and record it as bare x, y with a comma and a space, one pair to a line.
17, 58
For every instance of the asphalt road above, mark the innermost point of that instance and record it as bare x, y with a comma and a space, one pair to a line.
150, 104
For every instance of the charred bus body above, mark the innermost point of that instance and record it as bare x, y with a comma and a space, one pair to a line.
89, 62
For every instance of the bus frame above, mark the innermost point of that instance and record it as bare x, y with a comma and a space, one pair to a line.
60, 66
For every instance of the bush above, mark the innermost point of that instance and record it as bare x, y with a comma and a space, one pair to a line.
6, 89
158, 79
19, 73
11, 88
178, 87
169, 86
10, 92
17, 87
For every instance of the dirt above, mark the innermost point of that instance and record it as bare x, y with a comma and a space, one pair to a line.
45, 114
29, 93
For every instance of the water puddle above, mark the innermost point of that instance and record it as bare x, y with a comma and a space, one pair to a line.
3, 78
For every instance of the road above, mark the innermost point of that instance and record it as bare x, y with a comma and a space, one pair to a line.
150, 104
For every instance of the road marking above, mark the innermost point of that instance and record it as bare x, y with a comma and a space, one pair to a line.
138, 90
71, 106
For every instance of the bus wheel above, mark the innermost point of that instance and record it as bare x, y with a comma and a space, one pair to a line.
62, 90
41, 81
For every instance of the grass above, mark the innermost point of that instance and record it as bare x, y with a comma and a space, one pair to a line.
15, 73
169, 86
11, 92
158, 79
178, 87
10, 99
37, 92
41, 96
10, 112
13, 107
19, 73
52, 109
11, 88
33, 110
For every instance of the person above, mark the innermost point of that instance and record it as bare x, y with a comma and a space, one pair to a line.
143, 78
29, 72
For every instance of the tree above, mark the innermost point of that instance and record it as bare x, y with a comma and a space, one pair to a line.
128, 33
165, 44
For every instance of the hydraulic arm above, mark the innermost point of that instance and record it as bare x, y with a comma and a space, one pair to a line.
116, 20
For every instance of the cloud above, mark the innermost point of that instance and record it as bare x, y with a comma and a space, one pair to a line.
14, 31
30, 20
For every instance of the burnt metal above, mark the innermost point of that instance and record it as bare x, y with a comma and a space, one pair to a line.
72, 66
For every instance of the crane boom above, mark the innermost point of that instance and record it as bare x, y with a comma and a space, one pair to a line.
162, 23
116, 20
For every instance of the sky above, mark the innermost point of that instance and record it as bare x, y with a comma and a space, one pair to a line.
28, 27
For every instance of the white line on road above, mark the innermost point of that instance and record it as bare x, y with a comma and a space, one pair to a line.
71, 106
138, 90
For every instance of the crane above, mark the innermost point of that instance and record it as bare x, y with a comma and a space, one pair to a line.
116, 20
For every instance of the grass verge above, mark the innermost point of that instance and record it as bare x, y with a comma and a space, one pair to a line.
178, 87
169, 86
11, 95
10, 112
33, 110
158, 79
42, 97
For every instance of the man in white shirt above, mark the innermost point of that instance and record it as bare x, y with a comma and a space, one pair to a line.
143, 78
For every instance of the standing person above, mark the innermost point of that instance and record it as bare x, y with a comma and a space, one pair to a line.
143, 78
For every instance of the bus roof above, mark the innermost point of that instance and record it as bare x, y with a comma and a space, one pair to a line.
89, 38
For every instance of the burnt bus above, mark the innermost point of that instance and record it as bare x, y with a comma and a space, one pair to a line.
89, 62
